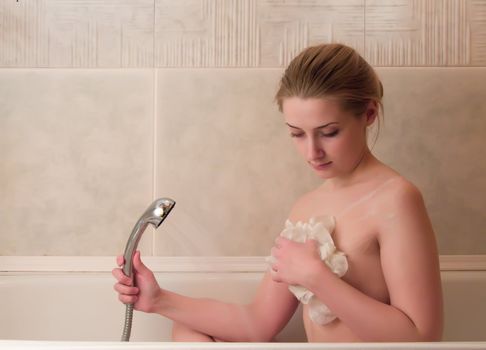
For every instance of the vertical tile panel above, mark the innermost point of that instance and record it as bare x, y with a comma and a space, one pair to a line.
477, 13
417, 33
251, 33
76, 33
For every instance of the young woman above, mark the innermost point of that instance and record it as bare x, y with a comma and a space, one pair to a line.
391, 289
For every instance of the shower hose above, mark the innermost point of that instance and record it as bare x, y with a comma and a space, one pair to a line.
127, 327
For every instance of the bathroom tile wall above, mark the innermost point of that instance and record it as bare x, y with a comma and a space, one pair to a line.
105, 105
76, 158
434, 133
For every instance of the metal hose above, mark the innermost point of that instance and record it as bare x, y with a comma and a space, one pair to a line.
127, 327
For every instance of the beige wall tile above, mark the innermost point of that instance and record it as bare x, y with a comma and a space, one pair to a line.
217, 130
76, 165
76, 33
250, 33
224, 155
425, 32
476, 10
434, 134
237, 33
76, 151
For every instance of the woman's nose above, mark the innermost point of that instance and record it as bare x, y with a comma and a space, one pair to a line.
314, 150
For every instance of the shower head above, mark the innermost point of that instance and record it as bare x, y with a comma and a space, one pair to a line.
154, 215
158, 211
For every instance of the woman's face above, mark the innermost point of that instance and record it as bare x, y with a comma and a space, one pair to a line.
331, 140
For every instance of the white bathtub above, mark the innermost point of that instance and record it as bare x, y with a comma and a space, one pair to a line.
60, 302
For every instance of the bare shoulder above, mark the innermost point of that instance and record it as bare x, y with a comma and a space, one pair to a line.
404, 224
400, 194
400, 210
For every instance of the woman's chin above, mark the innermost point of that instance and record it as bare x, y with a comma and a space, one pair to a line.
324, 174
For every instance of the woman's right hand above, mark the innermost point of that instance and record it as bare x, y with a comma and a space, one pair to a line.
145, 294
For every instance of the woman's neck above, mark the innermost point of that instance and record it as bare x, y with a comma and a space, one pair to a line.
357, 175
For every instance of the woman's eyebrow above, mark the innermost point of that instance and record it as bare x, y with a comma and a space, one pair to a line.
319, 127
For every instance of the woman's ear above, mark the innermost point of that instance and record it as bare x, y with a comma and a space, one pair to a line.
371, 112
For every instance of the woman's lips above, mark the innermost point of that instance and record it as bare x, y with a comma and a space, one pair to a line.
321, 166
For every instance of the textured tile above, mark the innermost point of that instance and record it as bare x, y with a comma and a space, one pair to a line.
425, 32
237, 33
76, 149
477, 23
250, 33
223, 153
76, 33
434, 134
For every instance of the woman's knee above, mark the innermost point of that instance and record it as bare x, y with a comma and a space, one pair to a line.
182, 333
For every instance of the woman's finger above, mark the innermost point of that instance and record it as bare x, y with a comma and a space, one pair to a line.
120, 260
126, 290
128, 299
121, 277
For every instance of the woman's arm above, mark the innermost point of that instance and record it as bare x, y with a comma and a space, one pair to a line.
258, 321
270, 310
411, 270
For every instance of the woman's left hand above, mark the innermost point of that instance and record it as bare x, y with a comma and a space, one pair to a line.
295, 263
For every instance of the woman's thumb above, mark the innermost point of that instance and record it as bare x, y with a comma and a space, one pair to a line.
138, 264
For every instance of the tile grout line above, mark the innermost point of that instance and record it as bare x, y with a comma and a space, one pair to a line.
154, 147
154, 119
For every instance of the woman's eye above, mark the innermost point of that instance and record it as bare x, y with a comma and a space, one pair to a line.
321, 134
331, 134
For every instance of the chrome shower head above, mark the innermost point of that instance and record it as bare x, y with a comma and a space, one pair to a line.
158, 211
154, 215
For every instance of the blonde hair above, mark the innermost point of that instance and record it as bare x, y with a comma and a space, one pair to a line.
335, 71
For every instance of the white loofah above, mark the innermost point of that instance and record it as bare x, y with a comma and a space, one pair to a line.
321, 231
